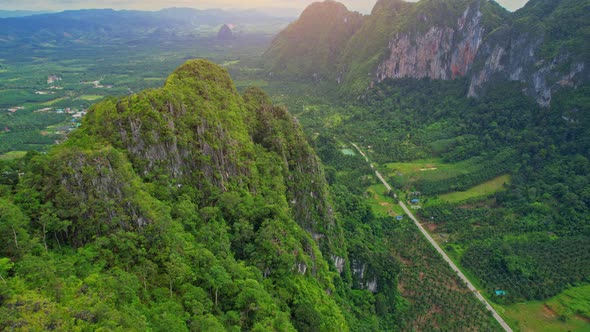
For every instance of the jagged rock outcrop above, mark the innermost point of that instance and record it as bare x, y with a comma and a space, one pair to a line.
225, 33
307, 192
504, 50
361, 277
196, 132
476, 40
519, 52
442, 52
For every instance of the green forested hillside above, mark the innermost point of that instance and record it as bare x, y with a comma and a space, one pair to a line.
192, 207
178, 208
310, 48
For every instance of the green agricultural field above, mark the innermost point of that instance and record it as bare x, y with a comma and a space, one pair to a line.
431, 169
13, 155
348, 152
53, 102
573, 302
382, 204
90, 97
480, 191
556, 314
153, 79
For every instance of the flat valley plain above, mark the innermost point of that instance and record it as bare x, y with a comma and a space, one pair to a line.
42, 88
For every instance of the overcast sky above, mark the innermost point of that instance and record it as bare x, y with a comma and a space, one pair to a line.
56, 5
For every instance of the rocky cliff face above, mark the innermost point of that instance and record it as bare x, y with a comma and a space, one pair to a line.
511, 55
510, 49
476, 40
443, 52
307, 193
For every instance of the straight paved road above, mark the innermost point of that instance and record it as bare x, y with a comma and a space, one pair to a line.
439, 249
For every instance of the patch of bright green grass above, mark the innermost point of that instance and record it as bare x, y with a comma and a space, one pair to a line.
572, 302
482, 190
348, 152
555, 314
432, 169
230, 63
54, 101
12, 155
382, 204
90, 97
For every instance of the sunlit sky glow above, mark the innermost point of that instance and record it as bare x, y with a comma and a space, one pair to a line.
364, 6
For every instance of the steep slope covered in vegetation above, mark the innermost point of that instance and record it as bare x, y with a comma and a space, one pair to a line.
186, 207
310, 47
453, 39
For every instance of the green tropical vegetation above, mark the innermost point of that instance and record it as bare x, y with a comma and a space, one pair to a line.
521, 236
41, 68
500, 180
195, 203
308, 48
565, 312
169, 210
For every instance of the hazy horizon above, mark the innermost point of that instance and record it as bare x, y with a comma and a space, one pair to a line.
363, 6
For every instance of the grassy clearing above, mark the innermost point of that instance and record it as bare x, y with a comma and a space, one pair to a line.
348, 152
380, 203
52, 102
482, 190
431, 169
13, 155
230, 63
90, 97
572, 302
544, 316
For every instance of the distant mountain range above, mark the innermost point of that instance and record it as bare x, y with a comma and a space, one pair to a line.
20, 13
107, 25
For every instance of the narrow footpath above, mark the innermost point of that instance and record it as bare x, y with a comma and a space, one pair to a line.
439, 249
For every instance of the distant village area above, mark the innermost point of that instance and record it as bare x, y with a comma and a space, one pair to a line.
73, 114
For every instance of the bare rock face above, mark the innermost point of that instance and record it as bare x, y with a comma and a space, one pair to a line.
467, 47
442, 52
361, 272
513, 56
424, 57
